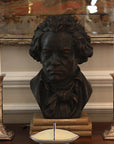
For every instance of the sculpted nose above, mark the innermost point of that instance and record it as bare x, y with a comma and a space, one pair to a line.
55, 59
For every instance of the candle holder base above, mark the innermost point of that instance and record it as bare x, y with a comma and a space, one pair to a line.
109, 134
5, 134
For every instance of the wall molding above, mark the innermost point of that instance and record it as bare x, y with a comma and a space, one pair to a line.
22, 79
8, 39
99, 106
12, 108
23, 113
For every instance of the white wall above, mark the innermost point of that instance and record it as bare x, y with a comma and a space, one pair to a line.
20, 68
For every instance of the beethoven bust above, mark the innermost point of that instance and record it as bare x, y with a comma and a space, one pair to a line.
60, 88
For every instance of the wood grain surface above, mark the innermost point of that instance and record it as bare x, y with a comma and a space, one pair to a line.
22, 135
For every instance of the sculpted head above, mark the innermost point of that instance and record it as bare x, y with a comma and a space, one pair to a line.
60, 44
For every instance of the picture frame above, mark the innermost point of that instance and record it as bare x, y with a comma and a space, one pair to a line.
18, 20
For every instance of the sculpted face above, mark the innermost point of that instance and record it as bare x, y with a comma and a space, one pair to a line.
57, 56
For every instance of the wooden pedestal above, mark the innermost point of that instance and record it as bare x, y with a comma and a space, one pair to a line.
81, 126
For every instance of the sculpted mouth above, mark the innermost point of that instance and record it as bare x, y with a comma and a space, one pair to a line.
55, 72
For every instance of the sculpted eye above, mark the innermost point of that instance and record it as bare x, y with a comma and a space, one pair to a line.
66, 52
46, 53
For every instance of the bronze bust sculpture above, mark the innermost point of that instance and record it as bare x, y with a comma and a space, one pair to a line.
60, 88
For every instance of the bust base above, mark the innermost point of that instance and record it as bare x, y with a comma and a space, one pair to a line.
81, 126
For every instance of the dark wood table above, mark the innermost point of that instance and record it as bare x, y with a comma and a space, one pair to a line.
22, 135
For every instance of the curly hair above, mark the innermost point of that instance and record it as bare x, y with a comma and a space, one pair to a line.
63, 23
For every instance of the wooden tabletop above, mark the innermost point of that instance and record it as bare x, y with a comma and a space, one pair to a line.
22, 135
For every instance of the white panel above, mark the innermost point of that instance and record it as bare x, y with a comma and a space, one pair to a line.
17, 87
22, 79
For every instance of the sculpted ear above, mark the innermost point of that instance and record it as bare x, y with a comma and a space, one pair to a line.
77, 60
35, 47
76, 56
35, 51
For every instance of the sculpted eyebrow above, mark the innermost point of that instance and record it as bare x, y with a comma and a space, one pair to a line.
45, 49
67, 48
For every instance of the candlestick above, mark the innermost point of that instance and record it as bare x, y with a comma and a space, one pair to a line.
4, 134
109, 134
